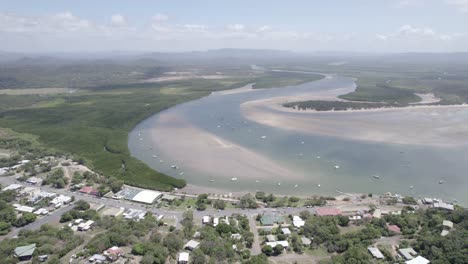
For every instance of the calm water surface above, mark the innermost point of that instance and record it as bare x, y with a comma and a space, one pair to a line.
406, 169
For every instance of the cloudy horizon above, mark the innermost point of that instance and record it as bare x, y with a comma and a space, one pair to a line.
361, 26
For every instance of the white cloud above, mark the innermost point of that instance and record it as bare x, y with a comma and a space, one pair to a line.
118, 20
408, 32
461, 5
410, 3
264, 28
236, 27
160, 18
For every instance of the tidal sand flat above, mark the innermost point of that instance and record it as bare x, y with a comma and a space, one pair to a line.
204, 152
420, 125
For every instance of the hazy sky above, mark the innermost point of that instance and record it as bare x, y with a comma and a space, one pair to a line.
173, 25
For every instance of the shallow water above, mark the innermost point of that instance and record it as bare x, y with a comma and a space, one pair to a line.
398, 166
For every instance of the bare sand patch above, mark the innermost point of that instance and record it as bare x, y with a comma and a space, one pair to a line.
34, 91
243, 89
427, 98
419, 125
201, 151
182, 77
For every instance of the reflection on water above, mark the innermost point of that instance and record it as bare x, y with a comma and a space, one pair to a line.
329, 162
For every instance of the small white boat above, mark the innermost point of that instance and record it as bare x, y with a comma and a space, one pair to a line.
318, 157
218, 126
211, 180
161, 161
263, 137
257, 181
376, 176
302, 142
300, 154
140, 139
279, 183
318, 185
337, 167
441, 181
155, 156
182, 173
174, 166
295, 186
233, 179
411, 187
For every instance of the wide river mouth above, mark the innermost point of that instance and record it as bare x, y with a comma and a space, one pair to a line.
244, 140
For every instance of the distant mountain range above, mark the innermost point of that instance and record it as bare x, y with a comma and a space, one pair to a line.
245, 55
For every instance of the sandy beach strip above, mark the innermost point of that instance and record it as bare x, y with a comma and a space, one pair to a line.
197, 150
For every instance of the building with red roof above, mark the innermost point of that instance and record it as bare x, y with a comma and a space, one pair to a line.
326, 211
113, 253
89, 190
394, 228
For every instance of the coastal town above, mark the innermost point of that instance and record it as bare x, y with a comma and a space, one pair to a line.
62, 193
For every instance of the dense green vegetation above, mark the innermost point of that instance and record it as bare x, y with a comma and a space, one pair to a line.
280, 79
94, 125
421, 230
381, 93
49, 241
336, 105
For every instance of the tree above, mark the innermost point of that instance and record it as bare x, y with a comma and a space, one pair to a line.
138, 249
29, 217
342, 220
201, 206
4, 228
82, 205
198, 257
268, 250
173, 243
66, 217
219, 204
247, 201
278, 249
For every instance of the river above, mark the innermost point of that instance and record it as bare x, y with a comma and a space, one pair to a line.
242, 140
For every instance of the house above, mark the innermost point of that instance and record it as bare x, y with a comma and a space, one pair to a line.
394, 228
14, 187
89, 190
34, 181
196, 234
113, 253
183, 258
285, 244
407, 253
23, 208
86, 225
191, 245
418, 260
444, 232
236, 236
25, 252
41, 211
327, 211
269, 220
205, 220
428, 201
445, 206
97, 258
60, 200
298, 222
305, 241
271, 238
286, 231
447, 223
376, 252
377, 213
134, 214
215, 221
